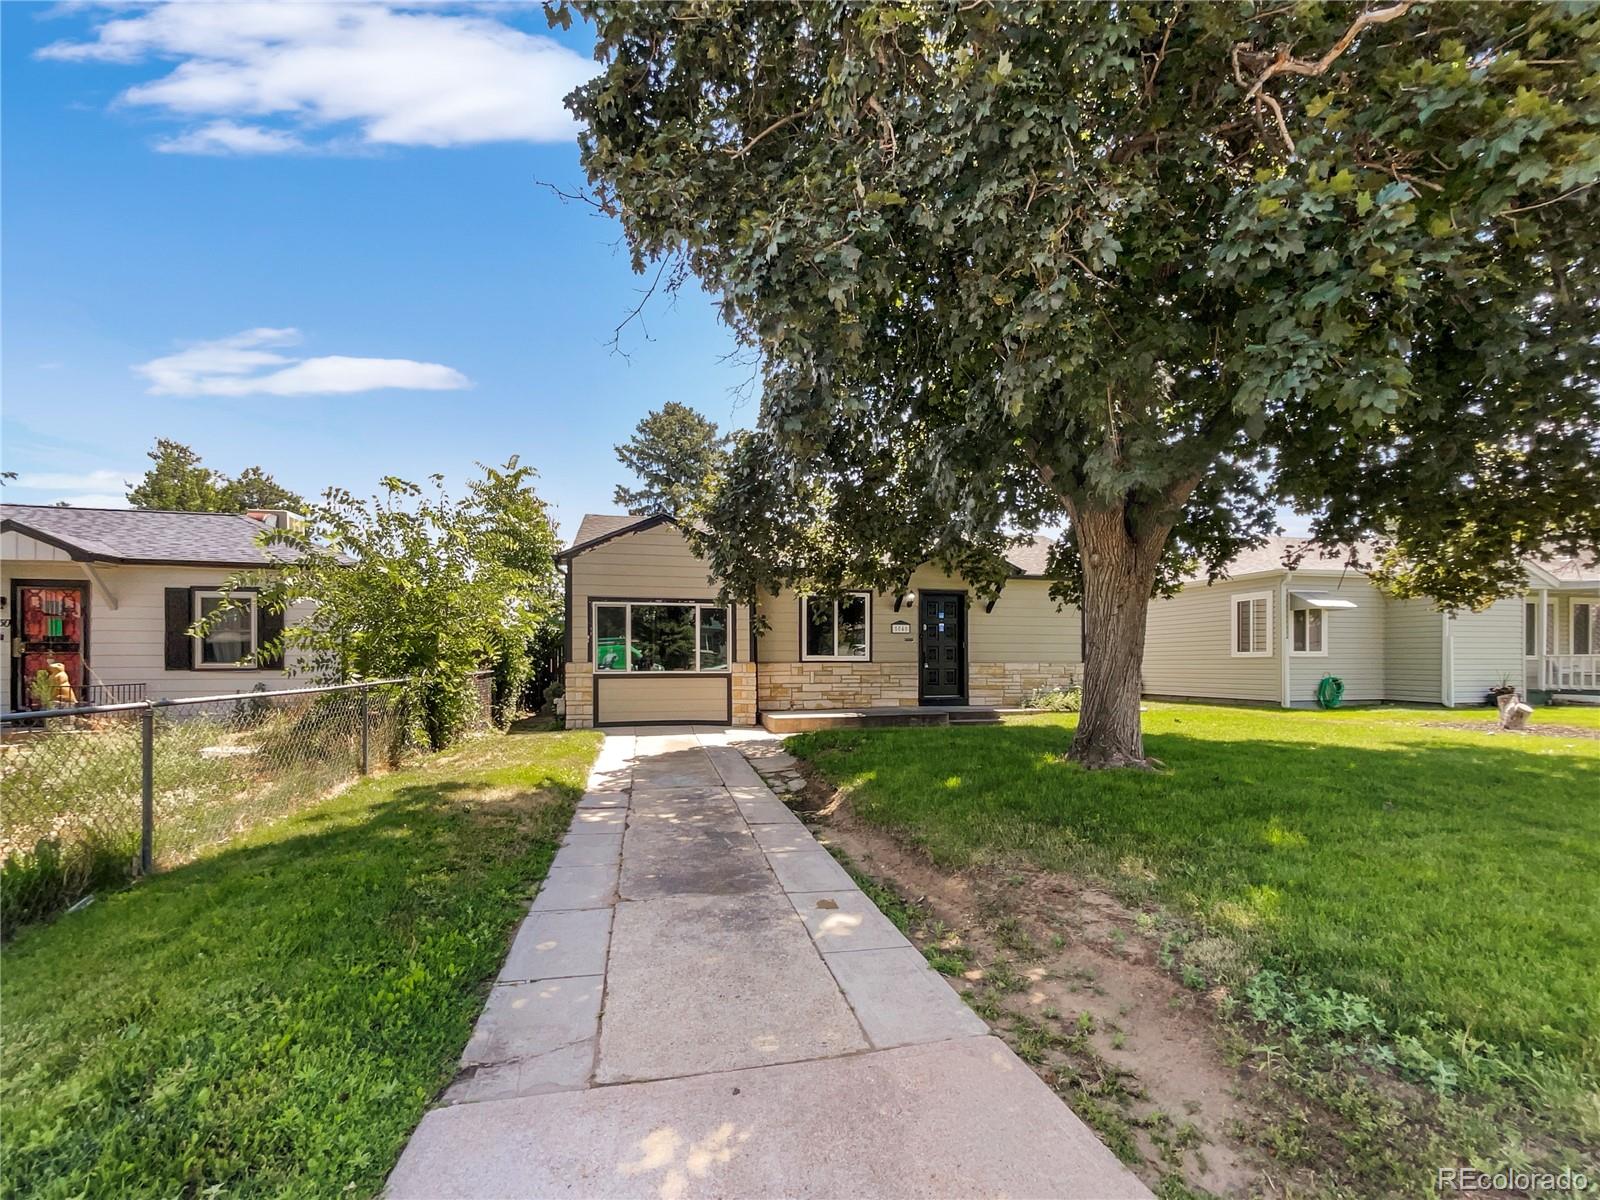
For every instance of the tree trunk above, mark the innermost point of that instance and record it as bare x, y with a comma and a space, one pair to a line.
1119, 572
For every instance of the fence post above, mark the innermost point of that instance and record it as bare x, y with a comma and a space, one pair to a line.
366, 725
147, 790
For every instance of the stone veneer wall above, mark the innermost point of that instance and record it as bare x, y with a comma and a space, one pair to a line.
744, 693
814, 685
580, 695
1006, 685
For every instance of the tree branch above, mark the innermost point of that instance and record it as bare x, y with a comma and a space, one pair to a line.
775, 126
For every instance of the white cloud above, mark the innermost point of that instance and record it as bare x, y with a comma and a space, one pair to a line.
230, 137
398, 75
58, 481
248, 364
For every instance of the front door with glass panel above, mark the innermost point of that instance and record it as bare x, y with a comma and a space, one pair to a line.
49, 630
942, 649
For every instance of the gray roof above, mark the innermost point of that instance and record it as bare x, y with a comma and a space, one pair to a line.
1271, 555
135, 535
1571, 568
1029, 558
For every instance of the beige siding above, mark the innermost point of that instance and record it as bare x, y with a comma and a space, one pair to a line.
626, 700
1188, 645
1354, 638
127, 643
653, 564
1486, 650
1413, 651
1025, 626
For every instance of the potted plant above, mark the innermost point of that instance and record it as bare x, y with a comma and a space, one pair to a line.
1503, 693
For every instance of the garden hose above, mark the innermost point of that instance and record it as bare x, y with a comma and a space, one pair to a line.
1330, 691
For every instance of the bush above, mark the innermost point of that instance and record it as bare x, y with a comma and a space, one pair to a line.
1055, 699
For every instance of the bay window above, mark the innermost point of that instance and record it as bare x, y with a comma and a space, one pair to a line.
836, 627
656, 636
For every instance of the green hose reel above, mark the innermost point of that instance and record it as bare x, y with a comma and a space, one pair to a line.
1330, 691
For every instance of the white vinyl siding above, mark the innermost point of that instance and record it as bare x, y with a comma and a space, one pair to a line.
1354, 638
1485, 650
127, 643
1189, 639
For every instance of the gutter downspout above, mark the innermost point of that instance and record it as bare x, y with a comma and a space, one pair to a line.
1284, 697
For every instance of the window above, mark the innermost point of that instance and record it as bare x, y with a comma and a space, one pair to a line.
1530, 629
660, 636
1309, 631
836, 627
1583, 627
1251, 625
231, 640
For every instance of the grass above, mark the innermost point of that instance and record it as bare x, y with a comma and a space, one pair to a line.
1448, 879
274, 1018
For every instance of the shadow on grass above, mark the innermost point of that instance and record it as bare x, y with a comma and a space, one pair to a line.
272, 1019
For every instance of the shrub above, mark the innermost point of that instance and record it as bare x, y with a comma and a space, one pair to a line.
1055, 699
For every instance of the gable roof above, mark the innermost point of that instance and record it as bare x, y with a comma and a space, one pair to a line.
1570, 568
145, 536
1029, 557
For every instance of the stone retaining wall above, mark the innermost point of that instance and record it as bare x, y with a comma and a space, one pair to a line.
1006, 685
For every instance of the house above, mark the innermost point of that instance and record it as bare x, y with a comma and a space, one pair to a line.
647, 641
111, 593
1270, 634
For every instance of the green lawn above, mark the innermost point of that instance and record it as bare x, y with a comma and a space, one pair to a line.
273, 1019
1435, 871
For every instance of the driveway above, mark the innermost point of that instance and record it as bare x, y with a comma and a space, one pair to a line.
702, 1003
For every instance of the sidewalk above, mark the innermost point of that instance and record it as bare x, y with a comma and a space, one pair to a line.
701, 1003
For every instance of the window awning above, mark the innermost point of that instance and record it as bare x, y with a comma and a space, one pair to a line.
1322, 600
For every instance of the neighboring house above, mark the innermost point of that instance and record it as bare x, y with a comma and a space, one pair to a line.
1269, 634
111, 593
1561, 625
646, 640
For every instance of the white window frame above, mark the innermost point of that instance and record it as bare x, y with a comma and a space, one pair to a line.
627, 635
1310, 608
807, 656
1572, 625
249, 663
1265, 650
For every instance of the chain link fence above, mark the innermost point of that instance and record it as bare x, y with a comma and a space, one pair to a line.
91, 797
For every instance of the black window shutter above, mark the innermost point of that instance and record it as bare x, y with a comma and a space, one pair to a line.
180, 615
269, 628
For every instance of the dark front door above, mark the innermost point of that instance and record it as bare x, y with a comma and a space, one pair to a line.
942, 649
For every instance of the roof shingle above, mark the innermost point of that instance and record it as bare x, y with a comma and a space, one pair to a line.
136, 535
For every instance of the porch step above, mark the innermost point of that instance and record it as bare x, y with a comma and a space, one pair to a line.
803, 721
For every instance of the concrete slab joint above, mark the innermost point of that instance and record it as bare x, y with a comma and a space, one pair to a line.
700, 1002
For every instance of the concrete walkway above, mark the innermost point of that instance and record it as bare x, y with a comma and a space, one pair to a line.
701, 1003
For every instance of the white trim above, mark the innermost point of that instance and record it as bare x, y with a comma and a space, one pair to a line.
1323, 615
1233, 625
1572, 625
1447, 660
247, 660
627, 607
1285, 675
807, 656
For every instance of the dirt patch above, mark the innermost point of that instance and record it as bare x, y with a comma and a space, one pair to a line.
1084, 990
1540, 730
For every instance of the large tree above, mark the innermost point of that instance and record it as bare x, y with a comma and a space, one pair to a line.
179, 481
674, 451
1151, 268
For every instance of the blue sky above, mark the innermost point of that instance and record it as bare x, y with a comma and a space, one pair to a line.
314, 239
